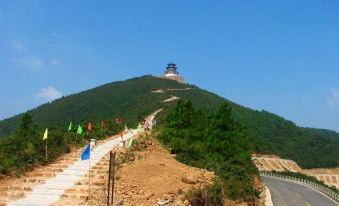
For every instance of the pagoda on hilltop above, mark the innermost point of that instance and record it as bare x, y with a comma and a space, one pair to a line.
172, 73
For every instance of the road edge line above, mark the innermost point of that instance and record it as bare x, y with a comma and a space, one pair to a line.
268, 197
304, 186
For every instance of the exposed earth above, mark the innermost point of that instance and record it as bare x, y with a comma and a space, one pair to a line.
153, 176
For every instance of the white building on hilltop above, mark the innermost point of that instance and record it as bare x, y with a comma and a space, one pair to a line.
172, 73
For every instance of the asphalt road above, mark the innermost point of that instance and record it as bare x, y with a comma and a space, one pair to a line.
291, 194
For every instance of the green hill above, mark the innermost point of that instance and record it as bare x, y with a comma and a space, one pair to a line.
133, 98
126, 99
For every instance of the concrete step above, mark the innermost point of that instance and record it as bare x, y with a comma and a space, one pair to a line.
15, 194
35, 201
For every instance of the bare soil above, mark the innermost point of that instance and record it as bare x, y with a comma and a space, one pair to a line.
153, 176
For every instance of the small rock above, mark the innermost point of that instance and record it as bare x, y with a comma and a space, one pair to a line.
189, 180
163, 202
148, 196
120, 203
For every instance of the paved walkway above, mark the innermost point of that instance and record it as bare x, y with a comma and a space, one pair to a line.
50, 192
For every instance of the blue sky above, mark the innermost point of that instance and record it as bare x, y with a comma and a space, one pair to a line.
281, 56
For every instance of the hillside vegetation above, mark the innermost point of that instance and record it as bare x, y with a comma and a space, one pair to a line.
25, 148
212, 140
129, 100
132, 99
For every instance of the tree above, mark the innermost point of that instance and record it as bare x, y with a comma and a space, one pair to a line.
27, 127
212, 140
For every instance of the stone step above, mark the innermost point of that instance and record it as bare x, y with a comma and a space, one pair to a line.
82, 189
22, 187
58, 165
46, 192
35, 201
44, 174
15, 194
66, 182
74, 196
98, 182
96, 176
34, 180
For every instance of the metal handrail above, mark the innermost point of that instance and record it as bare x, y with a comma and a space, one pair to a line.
320, 188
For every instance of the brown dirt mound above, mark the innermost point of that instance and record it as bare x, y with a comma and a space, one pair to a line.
154, 175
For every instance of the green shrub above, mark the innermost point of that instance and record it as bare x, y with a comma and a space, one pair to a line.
210, 196
25, 148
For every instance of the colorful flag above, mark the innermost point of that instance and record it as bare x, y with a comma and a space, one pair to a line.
89, 127
130, 143
70, 126
86, 154
79, 131
139, 128
45, 134
118, 120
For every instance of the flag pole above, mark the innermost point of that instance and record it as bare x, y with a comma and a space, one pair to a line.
46, 150
89, 177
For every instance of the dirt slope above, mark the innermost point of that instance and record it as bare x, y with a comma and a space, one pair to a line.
151, 175
272, 162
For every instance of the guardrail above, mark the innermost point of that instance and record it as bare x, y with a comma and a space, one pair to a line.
320, 188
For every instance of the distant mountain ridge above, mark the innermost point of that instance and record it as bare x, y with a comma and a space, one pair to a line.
132, 98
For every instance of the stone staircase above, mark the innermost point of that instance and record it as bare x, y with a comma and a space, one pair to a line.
21, 186
66, 179
79, 193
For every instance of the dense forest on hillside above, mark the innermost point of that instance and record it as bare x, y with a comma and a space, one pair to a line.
129, 100
25, 148
212, 140
132, 99
273, 134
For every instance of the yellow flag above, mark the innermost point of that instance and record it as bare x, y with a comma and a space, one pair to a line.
45, 135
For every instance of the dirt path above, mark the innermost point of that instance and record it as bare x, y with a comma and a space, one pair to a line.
173, 98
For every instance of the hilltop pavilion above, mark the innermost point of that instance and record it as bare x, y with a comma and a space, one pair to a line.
172, 73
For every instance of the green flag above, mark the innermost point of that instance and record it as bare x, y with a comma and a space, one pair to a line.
131, 142
139, 128
79, 131
70, 126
